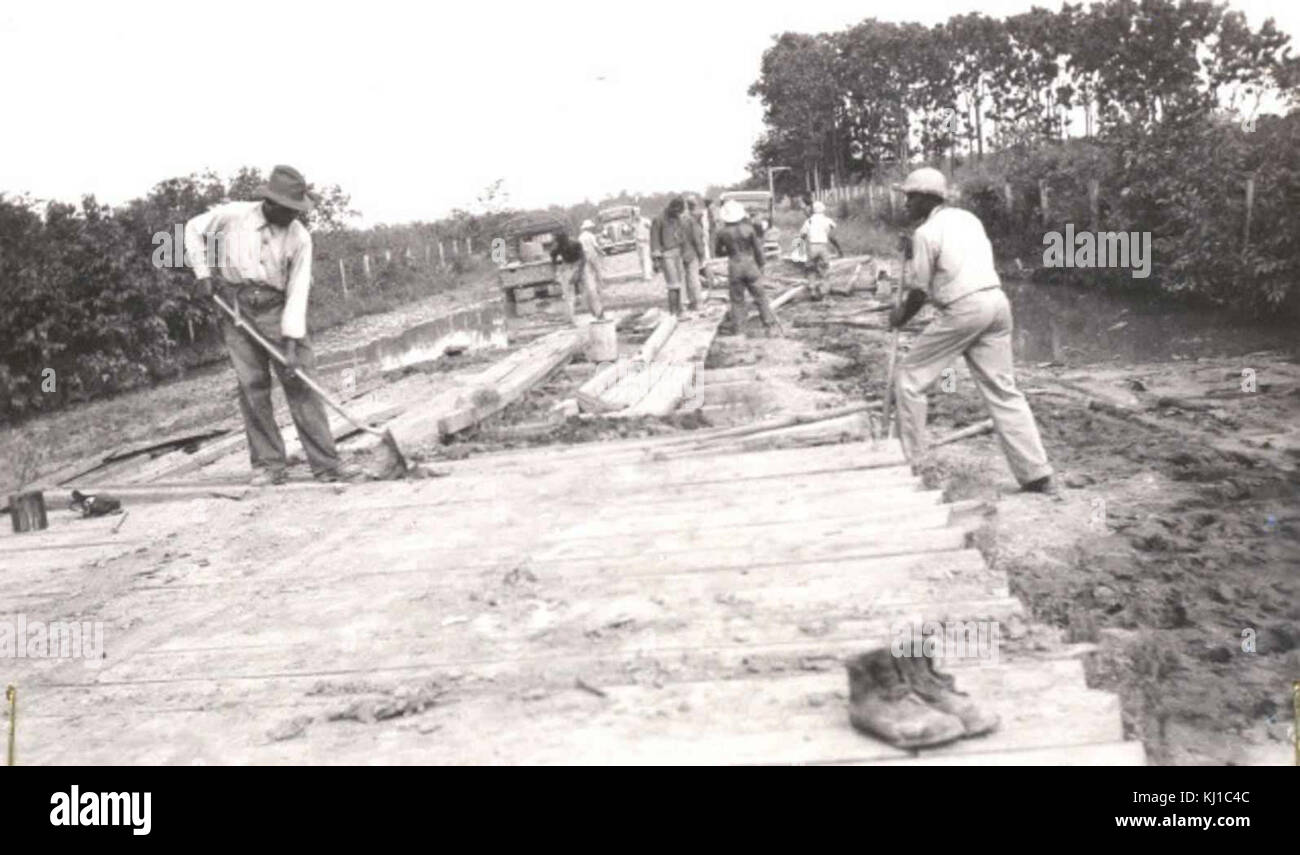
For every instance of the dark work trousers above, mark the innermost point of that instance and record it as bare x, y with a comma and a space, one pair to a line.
253, 369
743, 275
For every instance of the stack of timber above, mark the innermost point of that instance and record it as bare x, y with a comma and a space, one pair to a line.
661, 376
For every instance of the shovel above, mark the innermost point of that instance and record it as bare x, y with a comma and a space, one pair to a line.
397, 465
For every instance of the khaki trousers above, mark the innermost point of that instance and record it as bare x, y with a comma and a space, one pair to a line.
978, 327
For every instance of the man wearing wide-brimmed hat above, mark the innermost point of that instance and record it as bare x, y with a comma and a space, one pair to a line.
261, 255
951, 266
742, 245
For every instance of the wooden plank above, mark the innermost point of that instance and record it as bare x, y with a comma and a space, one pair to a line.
689, 635
788, 296
666, 393
1089, 754
457, 409
663, 331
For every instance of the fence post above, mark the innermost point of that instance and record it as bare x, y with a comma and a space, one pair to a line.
1094, 202
442, 259
1011, 199
343, 277
871, 199
388, 256
1042, 200
890, 191
365, 264
469, 246
1250, 206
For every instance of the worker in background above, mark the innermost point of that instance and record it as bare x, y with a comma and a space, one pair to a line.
588, 273
703, 215
669, 234
951, 265
261, 255
643, 247
694, 252
741, 244
818, 233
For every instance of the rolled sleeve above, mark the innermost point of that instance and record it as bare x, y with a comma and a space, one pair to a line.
196, 234
293, 323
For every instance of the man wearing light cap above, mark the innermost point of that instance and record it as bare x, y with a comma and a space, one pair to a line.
819, 233
951, 265
588, 273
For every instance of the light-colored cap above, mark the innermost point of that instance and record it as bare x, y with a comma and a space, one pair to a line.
732, 211
925, 180
587, 224
819, 207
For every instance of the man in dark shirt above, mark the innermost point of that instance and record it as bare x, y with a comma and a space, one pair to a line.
669, 236
742, 245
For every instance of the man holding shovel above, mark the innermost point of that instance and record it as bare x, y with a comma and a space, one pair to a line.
262, 255
951, 265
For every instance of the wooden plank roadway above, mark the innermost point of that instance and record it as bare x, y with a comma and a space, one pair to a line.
627, 604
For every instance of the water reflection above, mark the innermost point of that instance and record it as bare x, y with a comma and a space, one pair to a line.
1075, 326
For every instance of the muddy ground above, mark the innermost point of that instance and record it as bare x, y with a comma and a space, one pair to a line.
1174, 547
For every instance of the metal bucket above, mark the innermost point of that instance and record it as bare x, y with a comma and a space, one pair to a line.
602, 341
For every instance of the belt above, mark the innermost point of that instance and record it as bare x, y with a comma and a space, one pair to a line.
257, 296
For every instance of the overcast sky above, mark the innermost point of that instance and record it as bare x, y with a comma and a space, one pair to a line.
413, 108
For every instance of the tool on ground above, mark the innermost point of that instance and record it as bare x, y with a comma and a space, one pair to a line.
100, 505
396, 465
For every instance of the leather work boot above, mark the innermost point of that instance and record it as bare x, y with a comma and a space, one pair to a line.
346, 473
940, 691
269, 476
882, 704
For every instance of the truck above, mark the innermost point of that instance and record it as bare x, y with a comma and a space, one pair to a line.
617, 229
528, 270
760, 205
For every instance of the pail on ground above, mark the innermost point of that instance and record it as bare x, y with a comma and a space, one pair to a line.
27, 511
602, 341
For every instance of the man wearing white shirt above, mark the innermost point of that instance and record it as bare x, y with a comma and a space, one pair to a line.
951, 266
818, 233
261, 254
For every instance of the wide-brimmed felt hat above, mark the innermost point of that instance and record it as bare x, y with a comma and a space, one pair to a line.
732, 211
287, 187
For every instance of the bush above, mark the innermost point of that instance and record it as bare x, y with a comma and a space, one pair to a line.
1158, 181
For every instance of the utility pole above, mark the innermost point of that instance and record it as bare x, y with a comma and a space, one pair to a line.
771, 189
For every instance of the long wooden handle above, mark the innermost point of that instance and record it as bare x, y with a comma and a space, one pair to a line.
297, 372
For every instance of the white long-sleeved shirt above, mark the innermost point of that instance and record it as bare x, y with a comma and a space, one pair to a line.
951, 256
246, 247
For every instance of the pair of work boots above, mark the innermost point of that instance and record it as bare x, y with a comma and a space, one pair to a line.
907, 703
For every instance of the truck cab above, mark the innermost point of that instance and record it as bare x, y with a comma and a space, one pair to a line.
528, 270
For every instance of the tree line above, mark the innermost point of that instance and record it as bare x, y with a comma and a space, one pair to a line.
840, 106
